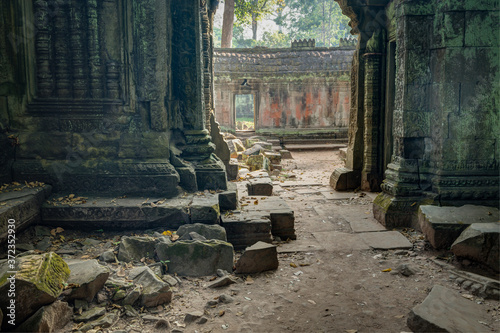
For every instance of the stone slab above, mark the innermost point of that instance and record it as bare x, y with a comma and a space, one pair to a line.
298, 183
360, 218
340, 241
115, 213
336, 195
307, 191
445, 310
385, 240
257, 258
443, 225
301, 245
228, 200
23, 206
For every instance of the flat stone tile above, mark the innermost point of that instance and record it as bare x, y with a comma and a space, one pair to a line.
298, 183
360, 218
336, 195
340, 241
307, 191
386, 240
300, 245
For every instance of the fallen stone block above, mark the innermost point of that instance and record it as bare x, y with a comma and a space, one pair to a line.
480, 242
256, 162
254, 150
91, 314
279, 212
222, 282
195, 258
264, 144
445, 310
39, 281
232, 168
206, 230
49, 318
257, 258
274, 158
443, 225
238, 145
285, 154
192, 316
205, 210
103, 322
89, 275
135, 248
154, 290
283, 224
228, 200
258, 174
260, 186
246, 229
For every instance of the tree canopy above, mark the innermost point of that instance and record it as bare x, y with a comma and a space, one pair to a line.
321, 20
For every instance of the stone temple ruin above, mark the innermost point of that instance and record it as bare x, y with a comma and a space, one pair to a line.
108, 116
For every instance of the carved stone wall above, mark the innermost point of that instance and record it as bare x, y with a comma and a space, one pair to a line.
445, 124
94, 90
293, 89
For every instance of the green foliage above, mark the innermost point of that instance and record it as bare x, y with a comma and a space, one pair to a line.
318, 19
217, 36
247, 10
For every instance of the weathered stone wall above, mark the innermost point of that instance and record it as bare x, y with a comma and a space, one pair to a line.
293, 88
444, 121
99, 99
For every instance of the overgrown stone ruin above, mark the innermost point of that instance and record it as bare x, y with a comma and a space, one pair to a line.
108, 124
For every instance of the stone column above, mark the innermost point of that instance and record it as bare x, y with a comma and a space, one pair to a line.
94, 57
189, 68
80, 82
62, 55
370, 175
42, 49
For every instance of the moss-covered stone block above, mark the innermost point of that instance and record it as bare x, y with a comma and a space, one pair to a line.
416, 124
481, 28
39, 281
40, 145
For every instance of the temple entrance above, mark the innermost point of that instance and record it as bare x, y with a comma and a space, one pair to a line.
244, 108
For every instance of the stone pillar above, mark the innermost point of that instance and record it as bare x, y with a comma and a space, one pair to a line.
61, 46
189, 70
94, 57
80, 81
371, 176
44, 74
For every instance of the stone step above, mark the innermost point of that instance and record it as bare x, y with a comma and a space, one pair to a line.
94, 213
443, 225
22, 204
314, 146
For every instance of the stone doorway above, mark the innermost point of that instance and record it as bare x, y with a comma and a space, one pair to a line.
244, 112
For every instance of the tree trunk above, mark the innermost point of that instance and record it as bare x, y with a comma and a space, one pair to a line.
227, 24
254, 27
